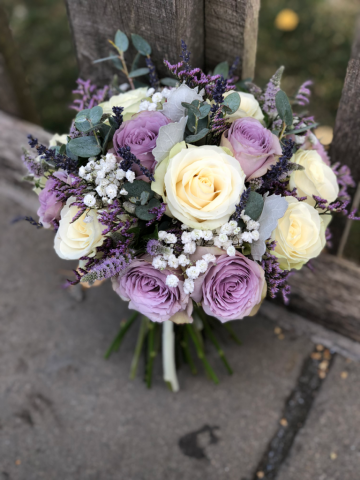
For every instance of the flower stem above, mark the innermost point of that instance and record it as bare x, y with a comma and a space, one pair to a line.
200, 353
188, 358
139, 346
213, 339
114, 347
122, 59
232, 334
168, 356
151, 354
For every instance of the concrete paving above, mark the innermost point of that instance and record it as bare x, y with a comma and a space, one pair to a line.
328, 447
66, 413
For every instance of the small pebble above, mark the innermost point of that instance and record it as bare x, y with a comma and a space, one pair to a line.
344, 375
324, 365
327, 354
284, 422
277, 330
18, 462
320, 348
281, 336
316, 356
260, 474
322, 374
333, 456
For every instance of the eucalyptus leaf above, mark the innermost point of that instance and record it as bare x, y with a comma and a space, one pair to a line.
192, 108
70, 154
136, 189
141, 44
284, 108
82, 126
275, 207
142, 211
204, 110
232, 101
84, 147
303, 129
198, 136
62, 150
95, 114
121, 41
254, 205
82, 115
139, 72
169, 135
111, 57
169, 82
222, 69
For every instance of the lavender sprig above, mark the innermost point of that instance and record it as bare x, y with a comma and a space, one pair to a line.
128, 160
242, 204
159, 212
303, 94
49, 155
90, 94
276, 278
118, 117
28, 219
154, 79
185, 55
269, 105
107, 268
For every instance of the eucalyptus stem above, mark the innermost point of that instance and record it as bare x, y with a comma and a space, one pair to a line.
126, 71
188, 358
151, 354
168, 354
213, 339
114, 347
282, 130
139, 345
201, 354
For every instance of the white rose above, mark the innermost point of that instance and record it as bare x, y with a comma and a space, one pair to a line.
58, 139
75, 240
317, 178
299, 235
249, 107
200, 185
130, 101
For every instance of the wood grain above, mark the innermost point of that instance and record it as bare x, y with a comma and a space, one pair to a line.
231, 29
329, 295
163, 23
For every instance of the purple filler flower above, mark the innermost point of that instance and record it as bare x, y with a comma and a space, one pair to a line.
140, 134
253, 145
146, 289
231, 288
50, 205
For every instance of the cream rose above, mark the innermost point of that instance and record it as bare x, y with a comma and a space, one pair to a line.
74, 240
317, 178
249, 107
200, 185
299, 235
130, 101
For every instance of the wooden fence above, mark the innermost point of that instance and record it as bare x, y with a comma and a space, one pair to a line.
217, 30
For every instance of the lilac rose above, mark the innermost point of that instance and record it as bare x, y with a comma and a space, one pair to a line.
140, 134
50, 206
253, 145
232, 288
145, 287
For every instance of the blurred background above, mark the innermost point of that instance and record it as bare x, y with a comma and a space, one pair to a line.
312, 38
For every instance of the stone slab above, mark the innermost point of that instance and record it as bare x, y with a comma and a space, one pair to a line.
328, 447
66, 413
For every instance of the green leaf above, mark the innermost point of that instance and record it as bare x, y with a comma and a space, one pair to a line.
84, 147
284, 108
62, 150
117, 63
121, 41
95, 115
107, 134
204, 110
198, 136
222, 69
232, 101
139, 72
113, 122
111, 57
82, 116
169, 82
136, 189
303, 129
70, 154
82, 126
141, 44
192, 108
142, 211
254, 205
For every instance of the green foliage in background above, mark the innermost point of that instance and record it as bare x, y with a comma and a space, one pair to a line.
41, 31
317, 49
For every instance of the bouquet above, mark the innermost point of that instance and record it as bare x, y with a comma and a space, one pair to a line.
196, 194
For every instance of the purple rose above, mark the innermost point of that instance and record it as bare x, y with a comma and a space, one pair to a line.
253, 145
50, 206
148, 293
231, 288
140, 134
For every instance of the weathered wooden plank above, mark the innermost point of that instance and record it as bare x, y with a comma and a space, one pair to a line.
345, 147
15, 95
231, 29
162, 23
329, 295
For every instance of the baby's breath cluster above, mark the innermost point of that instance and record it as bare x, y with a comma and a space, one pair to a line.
105, 180
157, 99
